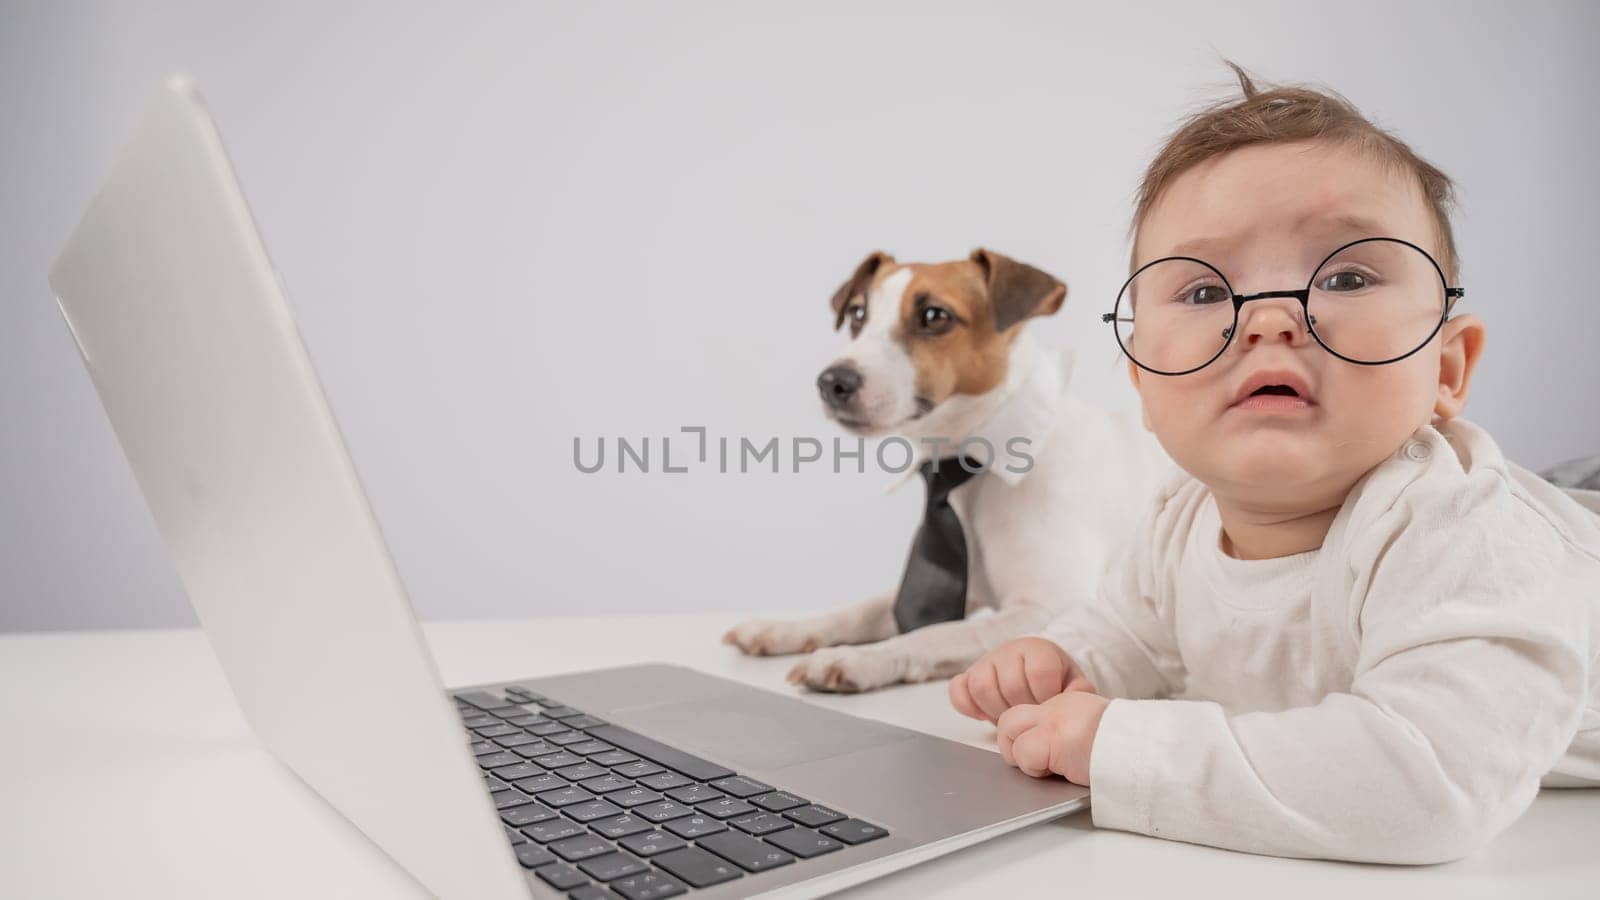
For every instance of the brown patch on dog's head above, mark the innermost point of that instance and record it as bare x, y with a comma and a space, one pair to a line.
858, 284
986, 296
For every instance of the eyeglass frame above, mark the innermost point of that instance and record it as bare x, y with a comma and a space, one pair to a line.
1451, 294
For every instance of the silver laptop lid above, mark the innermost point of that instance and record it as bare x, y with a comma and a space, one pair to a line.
177, 311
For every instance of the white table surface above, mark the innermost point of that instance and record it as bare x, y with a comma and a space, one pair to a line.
127, 771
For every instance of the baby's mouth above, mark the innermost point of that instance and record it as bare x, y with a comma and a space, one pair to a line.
1274, 398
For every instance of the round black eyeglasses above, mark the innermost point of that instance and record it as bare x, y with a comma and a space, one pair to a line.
1370, 302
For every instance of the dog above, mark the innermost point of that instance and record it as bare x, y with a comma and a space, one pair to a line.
938, 356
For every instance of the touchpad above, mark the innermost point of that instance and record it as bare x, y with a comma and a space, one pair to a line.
752, 729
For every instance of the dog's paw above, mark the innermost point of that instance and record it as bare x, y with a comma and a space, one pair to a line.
846, 670
767, 637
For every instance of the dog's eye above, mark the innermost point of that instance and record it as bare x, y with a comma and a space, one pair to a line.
858, 317
935, 319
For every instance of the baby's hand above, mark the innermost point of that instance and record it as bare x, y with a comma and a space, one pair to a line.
1054, 736
1026, 670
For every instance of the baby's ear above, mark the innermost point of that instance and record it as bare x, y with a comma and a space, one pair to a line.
1461, 344
857, 284
1017, 290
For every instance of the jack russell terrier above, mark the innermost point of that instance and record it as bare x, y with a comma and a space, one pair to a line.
937, 356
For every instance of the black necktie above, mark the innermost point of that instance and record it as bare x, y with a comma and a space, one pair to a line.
934, 587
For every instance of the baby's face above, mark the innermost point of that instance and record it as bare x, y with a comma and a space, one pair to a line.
1265, 216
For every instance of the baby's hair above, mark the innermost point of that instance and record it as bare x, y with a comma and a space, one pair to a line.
1284, 113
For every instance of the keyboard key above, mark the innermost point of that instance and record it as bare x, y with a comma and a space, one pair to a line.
620, 826
483, 748
496, 760
553, 830
696, 866
662, 780
694, 793
612, 758
563, 738
582, 722
778, 801
814, 816
561, 712
594, 809
853, 831
648, 886
523, 721
802, 842
537, 748
589, 748
533, 856
744, 851
581, 771
725, 808
561, 876
508, 713
556, 760
604, 783
482, 699
652, 842
740, 786
515, 836
547, 727
546, 701
494, 784
480, 721
490, 731
611, 866
655, 751
633, 796
638, 769
590, 892
541, 782
582, 846
520, 770
663, 811
516, 740
528, 814
533, 696
564, 797
694, 826
508, 799
761, 823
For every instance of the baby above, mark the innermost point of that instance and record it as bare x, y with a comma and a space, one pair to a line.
1350, 628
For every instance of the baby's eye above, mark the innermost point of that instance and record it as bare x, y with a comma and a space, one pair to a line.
1343, 281
1206, 295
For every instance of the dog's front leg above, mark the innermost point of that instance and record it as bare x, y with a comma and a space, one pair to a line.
933, 651
870, 620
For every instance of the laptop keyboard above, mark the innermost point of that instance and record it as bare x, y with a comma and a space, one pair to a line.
599, 811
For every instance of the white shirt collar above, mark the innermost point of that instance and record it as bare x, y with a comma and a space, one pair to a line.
1029, 409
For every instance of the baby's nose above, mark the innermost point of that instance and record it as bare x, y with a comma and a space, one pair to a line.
1272, 320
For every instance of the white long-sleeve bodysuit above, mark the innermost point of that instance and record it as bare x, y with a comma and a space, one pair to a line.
1398, 694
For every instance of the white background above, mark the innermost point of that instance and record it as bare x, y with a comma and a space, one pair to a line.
502, 226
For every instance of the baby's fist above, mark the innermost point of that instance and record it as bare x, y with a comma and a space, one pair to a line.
1027, 670
1055, 736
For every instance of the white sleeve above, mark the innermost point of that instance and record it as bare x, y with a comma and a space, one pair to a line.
1124, 641
1473, 631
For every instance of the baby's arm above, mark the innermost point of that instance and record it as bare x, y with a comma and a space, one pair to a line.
1121, 644
1469, 685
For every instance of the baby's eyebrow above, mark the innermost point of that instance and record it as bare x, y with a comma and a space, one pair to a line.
1318, 222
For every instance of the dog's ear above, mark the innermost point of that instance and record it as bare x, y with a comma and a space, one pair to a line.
1017, 290
857, 284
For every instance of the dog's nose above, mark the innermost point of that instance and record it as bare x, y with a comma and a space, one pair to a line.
838, 384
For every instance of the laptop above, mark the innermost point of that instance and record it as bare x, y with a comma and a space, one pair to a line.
641, 781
